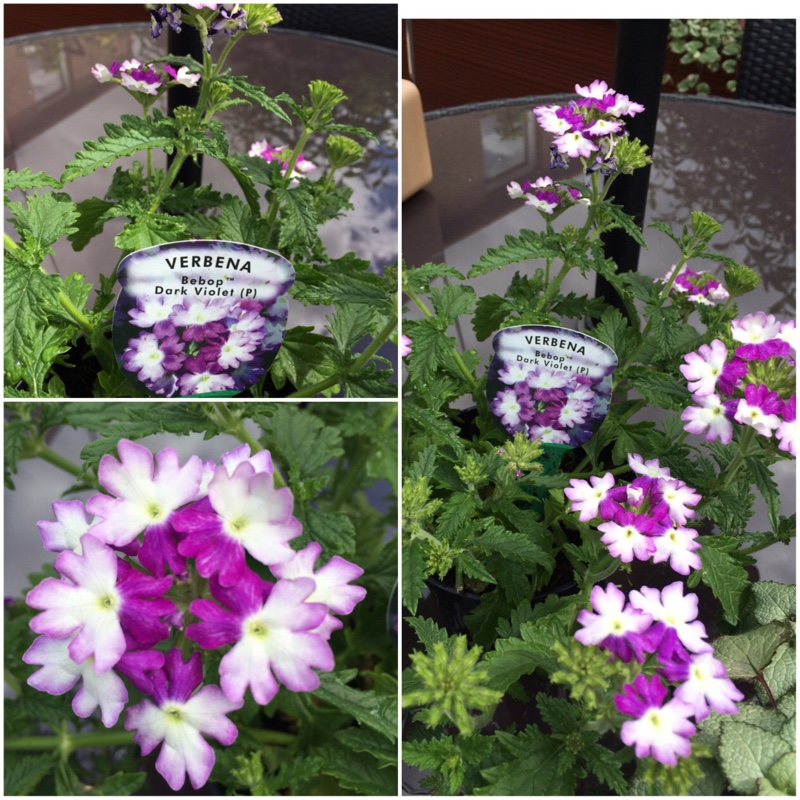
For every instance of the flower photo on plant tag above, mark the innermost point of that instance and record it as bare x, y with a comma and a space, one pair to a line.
200, 318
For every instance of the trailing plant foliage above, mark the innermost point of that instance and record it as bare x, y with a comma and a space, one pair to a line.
628, 689
281, 207
331, 729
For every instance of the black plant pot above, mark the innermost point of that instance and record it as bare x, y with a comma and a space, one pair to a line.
455, 606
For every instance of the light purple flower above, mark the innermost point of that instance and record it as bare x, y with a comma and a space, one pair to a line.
755, 328
708, 417
592, 499
242, 512
183, 76
143, 80
179, 717
271, 629
677, 545
574, 144
679, 612
677, 497
59, 673
630, 535
787, 430
145, 492
331, 580
101, 73
65, 533
759, 409
704, 685
150, 357
93, 604
702, 369
617, 626
661, 730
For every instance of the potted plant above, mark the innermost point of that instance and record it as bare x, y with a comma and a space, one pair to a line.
218, 620
53, 331
667, 658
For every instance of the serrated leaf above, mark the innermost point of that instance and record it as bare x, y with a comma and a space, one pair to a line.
432, 347
451, 301
149, 231
240, 84
363, 288
413, 574
514, 546
765, 482
625, 221
377, 712
533, 767
121, 783
332, 529
774, 601
781, 672
661, 390
92, 216
133, 135
304, 358
419, 278
528, 245
428, 632
304, 441
298, 217
364, 741
360, 772
24, 179
747, 753
746, 655
724, 575
23, 773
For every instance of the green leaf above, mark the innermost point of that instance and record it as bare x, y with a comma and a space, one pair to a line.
724, 575
532, 768
25, 179
413, 574
774, 601
359, 772
491, 313
23, 773
747, 753
257, 94
377, 712
92, 216
419, 278
781, 672
150, 230
451, 301
303, 441
428, 632
364, 741
133, 135
332, 529
361, 288
661, 390
626, 222
515, 546
432, 347
237, 223
746, 655
42, 223
765, 482
528, 245
304, 358
298, 217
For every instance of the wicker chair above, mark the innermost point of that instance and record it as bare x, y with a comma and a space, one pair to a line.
768, 62
369, 23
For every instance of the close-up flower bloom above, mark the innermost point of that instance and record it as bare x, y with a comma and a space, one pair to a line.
178, 718
661, 730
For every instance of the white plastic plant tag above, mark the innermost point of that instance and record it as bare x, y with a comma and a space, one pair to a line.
551, 383
201, 317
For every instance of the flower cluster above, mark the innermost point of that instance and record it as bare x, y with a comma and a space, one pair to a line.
753, 380
553, 405
660, 627
126, 593
268, 153
700, 288
142, 78
231, 19
203, 345
643, 519
589, 128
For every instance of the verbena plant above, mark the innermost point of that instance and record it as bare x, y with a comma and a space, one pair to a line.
230, 616
284, 200
619, 684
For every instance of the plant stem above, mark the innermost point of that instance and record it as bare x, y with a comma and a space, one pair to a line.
270, 737
739, 457
169, 179
70, 742
327, 383
57, 460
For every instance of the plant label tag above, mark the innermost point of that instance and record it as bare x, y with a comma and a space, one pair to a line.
550, 383
200, 318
